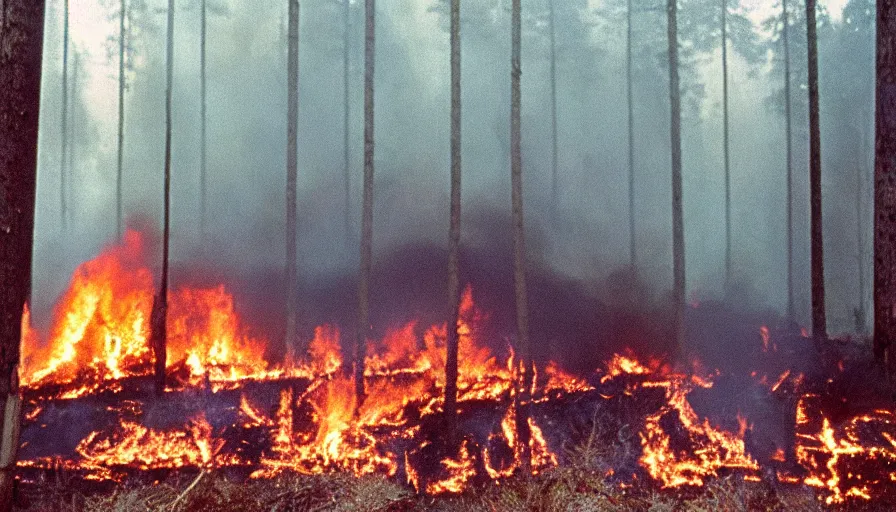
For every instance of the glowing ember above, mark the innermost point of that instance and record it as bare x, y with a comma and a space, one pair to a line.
307, 419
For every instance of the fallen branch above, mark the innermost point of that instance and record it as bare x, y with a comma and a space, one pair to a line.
187, 490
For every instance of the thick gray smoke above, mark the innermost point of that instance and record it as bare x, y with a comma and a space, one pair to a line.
584, 247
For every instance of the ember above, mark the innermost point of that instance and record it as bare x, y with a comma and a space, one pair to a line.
232, 409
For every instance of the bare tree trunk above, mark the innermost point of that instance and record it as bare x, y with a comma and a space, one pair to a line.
121, 84
519, 242
159, 317
819, 322
203, 186
631, 142
63, 204
555, 178
885, 188
21, 47
346, 165
367, 207
454, 231
860, 227
789, 143
72, 128
677, 208
726, 146
292, 122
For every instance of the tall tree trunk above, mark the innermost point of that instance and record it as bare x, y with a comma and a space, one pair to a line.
861, 323
346, 165
819, 322
726, 147
121, 84
292, 123
789, 144
519, 242
677, 208
203, 185
72, 129
159, 335
555, 178
454, 231
631, 142
885, 188
63, 204
21, 47
367, 206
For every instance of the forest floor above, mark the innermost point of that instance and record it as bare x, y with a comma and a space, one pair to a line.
560, 489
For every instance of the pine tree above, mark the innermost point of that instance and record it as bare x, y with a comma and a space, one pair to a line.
159, 316
885, 189
367, 203
677, 207
454, 231
788, 119
21, 38
203, 185
292, 122
63, 199
524, 348
819, 322
121, 85
346, 161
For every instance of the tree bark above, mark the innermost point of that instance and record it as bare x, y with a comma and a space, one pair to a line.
367, 206
789, 144
121, 85
72, 129
885, 189
524, 348
725, 143
677, 208
63, 203
21, 47
631, 143
292, 122
159, 317
861, 329
555, 177
203, 185
346, 163
454, 230
819, 322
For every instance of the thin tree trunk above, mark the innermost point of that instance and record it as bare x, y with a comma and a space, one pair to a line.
819, 322
72, 128
160, 307
292, 123
631, 142
885, 188
860, 254
555, 178
367, 207
21, 47
454, 231
346, 165
519, 242
725, 138
63, 204
203, 185
677, 208
789, 145
121, 84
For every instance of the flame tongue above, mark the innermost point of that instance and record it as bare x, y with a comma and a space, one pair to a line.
305, 418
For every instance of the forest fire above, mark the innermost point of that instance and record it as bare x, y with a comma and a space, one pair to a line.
227, 407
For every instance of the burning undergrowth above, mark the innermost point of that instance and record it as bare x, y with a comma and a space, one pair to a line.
784, 413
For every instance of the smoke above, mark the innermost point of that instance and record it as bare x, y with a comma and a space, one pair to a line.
575, 258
